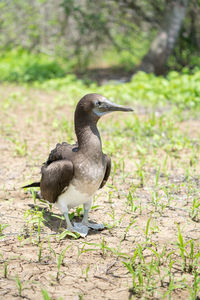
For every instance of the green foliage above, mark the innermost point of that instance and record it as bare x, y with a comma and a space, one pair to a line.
86, 30
131, 48
21, 66
183, 90
180, 89
70, 83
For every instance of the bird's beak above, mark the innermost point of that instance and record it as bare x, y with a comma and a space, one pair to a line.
108, 106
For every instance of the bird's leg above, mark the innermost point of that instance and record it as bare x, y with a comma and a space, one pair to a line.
87, 207
69, 224
81, 229
85, 222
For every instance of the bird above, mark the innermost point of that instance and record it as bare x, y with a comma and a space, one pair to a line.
73, 173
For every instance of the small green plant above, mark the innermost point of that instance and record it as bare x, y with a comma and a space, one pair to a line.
146, 231
66, 233
181, 246
157, 177
135, 269
19, 285
2, 227
171, 287
20, 238
5, 266
5, 272
127, 229
187, 257
36, 219
131, 199
156, 200
86, 271
114, 171
79, 211
103, 247
20, 147
33, 193
46, 296
195, 288
60, 259
141, 172
52, 251
193, 258
195, 210
40, 245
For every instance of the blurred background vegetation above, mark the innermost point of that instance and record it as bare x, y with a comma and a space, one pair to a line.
113, 39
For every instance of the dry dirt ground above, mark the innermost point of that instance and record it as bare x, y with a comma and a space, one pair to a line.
91, 267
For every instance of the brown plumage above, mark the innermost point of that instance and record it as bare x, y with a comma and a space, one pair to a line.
73, 173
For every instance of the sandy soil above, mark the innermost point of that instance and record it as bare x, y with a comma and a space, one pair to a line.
90, 274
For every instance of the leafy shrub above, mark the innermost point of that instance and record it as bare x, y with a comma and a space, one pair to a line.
21, 66
180, 89
183, 90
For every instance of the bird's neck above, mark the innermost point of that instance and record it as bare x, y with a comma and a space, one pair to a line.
89, 140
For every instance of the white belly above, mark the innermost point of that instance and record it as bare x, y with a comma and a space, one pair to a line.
80, 191
72, 197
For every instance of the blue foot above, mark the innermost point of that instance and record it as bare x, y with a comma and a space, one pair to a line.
80, 228
96, 226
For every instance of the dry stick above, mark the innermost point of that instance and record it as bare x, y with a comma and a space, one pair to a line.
105, 279
110, 267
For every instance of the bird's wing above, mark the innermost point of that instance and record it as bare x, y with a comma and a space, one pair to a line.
57, 172
34, 184
61, 151
107, 172
55, 178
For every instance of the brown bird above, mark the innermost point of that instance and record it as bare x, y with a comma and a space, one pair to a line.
73, 173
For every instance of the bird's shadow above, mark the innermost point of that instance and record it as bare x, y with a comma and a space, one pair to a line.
56, 222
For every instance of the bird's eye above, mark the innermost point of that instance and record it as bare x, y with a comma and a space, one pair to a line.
98, 103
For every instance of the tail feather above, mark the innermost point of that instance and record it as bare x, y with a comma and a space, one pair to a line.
34, 184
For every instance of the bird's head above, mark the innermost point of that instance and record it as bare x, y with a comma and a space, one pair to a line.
96, 106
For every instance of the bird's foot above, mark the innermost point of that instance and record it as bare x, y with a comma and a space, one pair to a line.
80, 228
95, 226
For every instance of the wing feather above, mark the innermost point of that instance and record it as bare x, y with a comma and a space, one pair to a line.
107, 172
61, 151
55, 178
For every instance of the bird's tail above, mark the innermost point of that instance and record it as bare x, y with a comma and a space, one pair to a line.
34, 184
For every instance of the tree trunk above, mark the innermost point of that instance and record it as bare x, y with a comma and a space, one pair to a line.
162, 46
